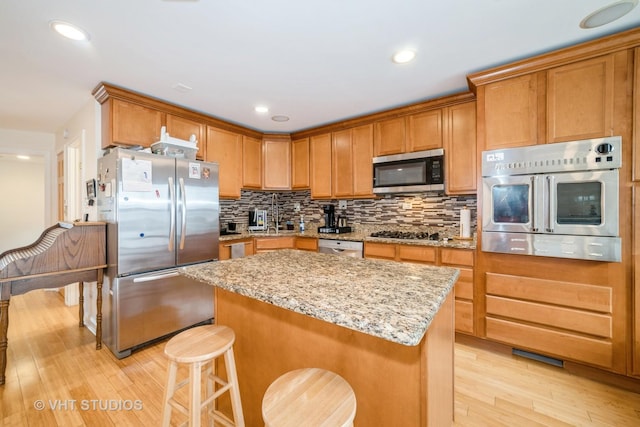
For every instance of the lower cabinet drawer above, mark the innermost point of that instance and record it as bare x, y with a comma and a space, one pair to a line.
424, 254
572, 320
307, 243
379, 250
464, 285
562, 345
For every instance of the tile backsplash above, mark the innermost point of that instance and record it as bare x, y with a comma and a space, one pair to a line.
418, 211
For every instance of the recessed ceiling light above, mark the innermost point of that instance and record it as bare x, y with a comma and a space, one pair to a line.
404, 56
69, 31
262, 109
280, 118
608, 13
23, 157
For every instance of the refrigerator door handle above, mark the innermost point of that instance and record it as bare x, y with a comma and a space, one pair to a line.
184, 213
173, 273
172, 226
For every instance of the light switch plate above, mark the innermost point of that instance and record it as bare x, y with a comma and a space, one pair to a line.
406, 206
296, 207
342, 204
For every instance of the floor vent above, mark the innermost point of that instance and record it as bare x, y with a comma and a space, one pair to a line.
540, 358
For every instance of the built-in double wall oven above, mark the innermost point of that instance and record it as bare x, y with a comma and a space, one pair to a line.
556, 200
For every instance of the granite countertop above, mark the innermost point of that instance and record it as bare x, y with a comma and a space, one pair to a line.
389, 300
357, 236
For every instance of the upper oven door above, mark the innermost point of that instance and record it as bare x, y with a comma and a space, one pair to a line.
509, 204
582, 203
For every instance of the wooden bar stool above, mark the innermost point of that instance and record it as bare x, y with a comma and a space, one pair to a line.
309, 397
199, 347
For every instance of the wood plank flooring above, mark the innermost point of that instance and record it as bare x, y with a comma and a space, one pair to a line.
53, 363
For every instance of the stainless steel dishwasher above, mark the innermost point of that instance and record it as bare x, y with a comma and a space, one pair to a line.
340, 247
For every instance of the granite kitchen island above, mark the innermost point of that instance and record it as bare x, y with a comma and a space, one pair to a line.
384, 326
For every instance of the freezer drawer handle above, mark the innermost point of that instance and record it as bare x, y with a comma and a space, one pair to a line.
172, 226
184, 213
155, 277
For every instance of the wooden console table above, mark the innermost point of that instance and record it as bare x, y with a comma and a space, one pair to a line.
63, 254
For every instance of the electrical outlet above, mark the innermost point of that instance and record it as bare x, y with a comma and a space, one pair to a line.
406, 206
296, 207
342, 204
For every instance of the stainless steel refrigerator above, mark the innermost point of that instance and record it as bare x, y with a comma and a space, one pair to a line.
161, 213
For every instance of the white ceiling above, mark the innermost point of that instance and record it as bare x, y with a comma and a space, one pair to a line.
316, 61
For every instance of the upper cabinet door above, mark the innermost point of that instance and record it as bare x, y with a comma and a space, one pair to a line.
251, 162
182, 128
133, 124
390, 136
300, 163
225, 148
424, 131
580, 100
510, 113
276, 164
342, 164
362, 150
460, 148
320, 166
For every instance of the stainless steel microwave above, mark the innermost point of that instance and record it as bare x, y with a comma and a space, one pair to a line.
409, 172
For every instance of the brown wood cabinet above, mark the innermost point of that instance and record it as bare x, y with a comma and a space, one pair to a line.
580, 100
307, 243
300, 164
180, 127
565, 319
320, 166
341, 164
463, 260
251, 163
424, 131
225, 148
276, 162
131, 124
635, 256
389, 136
264, 244
460, 148
351, 160
508, 112
224, 248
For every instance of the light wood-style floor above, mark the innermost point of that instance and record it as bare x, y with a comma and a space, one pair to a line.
53, 363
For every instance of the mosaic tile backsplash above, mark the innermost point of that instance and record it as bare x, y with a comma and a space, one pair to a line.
420, 211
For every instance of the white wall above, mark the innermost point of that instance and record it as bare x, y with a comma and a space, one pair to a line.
26, 189
22, 185
84, 126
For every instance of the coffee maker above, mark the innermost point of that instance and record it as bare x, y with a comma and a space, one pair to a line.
330, 225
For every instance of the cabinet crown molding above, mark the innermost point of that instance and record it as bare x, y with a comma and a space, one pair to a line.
602, 46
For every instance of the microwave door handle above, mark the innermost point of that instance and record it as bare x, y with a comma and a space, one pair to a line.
534, 212
551, 194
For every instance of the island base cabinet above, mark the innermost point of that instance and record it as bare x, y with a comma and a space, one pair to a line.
394, 384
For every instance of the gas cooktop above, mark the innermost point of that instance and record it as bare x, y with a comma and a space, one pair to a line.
422, 235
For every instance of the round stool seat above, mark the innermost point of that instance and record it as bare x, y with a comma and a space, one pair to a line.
199, 347
309, 397
200, 343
